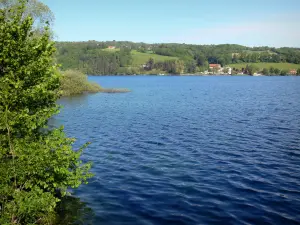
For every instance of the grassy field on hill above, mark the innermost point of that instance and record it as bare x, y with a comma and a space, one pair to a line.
281, 66
259, 52
141, 58
111, 50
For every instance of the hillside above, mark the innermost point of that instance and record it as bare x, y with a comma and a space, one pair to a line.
280, 66
139, 58
117, 57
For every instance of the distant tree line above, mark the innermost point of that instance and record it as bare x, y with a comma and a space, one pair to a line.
251, 69
92, 57
169, 66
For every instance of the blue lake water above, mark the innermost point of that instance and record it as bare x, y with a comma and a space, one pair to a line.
190, 150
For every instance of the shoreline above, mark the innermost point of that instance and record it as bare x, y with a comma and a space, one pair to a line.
192, 75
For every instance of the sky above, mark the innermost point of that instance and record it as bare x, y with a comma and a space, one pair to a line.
273, 23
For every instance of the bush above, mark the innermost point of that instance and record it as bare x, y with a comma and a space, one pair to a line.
74, 82
36, 164
265, 71
251, 69
284, 72
128, 71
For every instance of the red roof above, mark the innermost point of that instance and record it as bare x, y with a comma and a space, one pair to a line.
214, 65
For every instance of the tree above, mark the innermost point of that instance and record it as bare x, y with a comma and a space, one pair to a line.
276, 71
283, 72
191, 66
272, 69
226, 70
200, 59
40, 12
265, 71
298, 71
179, 67
37, 165
251, 69
235, 58
150, 64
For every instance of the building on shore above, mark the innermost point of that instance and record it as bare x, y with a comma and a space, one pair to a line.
215, 66
293, 72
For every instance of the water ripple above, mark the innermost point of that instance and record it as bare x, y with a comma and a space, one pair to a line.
191, 150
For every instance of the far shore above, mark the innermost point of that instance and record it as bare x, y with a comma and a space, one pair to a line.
182, 75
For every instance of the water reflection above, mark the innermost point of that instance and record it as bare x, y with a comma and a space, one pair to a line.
73, 211
76, 99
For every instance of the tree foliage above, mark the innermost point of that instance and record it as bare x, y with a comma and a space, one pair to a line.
92, 57
170, 66
37, 165
75, 82
39, 12
251, 69
265, 71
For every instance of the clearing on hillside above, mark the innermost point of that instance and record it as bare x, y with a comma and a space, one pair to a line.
142, 58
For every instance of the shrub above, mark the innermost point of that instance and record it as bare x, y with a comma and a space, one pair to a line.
36, 164
284, 72
74, 82
265, 71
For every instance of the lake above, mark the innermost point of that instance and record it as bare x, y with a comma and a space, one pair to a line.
190, 150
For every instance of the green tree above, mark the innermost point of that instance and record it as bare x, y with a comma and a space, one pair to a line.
39, 12
284, 72
191, 66
36, 164
150, 64
251, 69
298, 71
235, 58
226, 70
265, 71
200, 59
276, 71
272, 70
179, 67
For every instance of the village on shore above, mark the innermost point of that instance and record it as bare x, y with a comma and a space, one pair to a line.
217, 69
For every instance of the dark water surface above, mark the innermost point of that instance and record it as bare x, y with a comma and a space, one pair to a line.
191, 150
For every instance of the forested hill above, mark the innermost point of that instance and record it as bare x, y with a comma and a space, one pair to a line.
121, 57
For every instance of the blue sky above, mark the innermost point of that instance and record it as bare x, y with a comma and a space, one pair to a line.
252, 23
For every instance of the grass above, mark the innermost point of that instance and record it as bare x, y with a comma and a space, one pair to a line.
281, 66
141, 58
111, 50
268, 51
